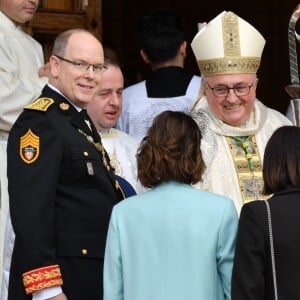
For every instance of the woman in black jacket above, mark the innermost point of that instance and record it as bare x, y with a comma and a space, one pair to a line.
252, 271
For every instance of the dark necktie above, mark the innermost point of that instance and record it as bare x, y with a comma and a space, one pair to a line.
85, 117
90, 124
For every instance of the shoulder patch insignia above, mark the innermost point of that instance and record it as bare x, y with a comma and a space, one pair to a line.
29, 147
41, 104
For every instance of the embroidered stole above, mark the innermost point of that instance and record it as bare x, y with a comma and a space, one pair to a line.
248, 167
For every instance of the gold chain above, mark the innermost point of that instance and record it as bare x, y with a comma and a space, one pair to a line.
99, 147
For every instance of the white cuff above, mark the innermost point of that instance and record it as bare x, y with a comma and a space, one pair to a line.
47, 293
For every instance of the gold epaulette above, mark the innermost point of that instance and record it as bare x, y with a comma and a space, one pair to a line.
42, 278
41, 104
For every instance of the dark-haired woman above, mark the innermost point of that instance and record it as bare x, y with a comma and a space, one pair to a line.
252, 272
172, 242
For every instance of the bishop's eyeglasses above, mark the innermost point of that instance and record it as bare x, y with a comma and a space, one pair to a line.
239, 90
83, 66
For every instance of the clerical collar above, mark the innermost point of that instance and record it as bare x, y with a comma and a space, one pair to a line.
251, 121
105, 131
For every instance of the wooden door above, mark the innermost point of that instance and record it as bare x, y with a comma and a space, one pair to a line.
55, 16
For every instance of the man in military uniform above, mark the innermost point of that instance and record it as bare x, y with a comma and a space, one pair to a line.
61, 185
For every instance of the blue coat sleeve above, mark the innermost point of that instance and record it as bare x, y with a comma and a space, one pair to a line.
112, 277
225, 249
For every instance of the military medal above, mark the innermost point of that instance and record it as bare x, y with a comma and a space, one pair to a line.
90, 169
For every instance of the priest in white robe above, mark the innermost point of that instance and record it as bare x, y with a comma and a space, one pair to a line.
104, 110
235, 124
22, 77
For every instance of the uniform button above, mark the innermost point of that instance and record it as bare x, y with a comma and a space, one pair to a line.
85, 153
84, 251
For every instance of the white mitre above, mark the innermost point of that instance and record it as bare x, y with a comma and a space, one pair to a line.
228, 45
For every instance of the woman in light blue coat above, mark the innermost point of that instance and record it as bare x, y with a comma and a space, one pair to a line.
172, 242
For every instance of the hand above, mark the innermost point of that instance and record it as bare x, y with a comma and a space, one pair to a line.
44, 71
61, 296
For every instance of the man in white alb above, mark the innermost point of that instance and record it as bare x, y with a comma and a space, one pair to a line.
22, 76
169, 87
104, 110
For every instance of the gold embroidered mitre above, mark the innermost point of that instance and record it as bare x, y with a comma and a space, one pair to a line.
228, 45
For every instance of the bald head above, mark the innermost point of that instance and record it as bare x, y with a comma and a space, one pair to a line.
76, 65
